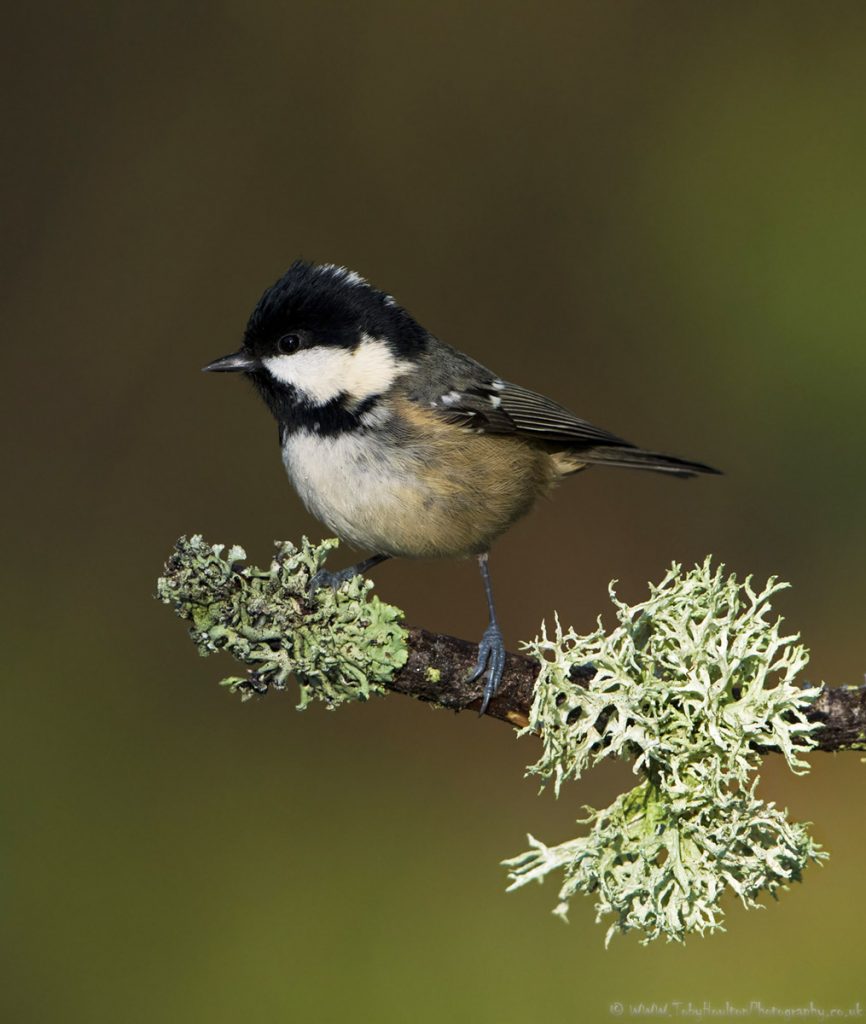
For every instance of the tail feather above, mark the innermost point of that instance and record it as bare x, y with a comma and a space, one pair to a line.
637, 458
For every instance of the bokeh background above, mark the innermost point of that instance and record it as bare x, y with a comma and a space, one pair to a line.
653, 212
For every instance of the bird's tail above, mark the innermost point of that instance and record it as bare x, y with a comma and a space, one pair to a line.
637, 458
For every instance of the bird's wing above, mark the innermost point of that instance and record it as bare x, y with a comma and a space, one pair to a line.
485, 404
497, 407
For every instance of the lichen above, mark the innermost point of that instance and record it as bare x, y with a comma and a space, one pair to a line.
689, 685
341, 645
692, 685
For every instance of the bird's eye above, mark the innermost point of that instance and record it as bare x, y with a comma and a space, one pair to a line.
289, 343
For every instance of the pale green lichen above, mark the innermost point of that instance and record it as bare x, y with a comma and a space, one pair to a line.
688, 685
341, 646
691, 685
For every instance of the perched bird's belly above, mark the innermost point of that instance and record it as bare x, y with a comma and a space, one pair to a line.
417, 496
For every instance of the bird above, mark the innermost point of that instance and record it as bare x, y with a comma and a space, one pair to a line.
402, 445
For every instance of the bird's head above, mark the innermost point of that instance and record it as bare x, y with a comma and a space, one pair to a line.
322, 335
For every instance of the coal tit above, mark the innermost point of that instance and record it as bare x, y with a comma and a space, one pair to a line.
399, 443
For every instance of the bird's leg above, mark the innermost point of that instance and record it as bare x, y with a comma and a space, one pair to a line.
491, 650
326, 578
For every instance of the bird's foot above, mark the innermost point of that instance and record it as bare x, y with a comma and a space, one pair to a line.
491, 659
334, 580
326, 578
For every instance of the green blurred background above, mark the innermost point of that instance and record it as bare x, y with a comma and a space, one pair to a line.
653, 212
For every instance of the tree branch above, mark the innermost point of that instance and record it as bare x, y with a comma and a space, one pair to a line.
707, 711
438, 665
247, 611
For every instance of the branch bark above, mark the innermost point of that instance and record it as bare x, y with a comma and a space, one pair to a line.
840, 710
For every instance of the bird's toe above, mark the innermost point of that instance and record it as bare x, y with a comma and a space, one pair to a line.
326, 578
491, 660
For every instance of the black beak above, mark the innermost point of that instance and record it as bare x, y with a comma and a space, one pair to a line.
234, 363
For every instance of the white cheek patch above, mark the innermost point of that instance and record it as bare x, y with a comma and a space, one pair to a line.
323, 372
316, 372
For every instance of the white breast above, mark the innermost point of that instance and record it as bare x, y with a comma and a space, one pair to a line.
353, 488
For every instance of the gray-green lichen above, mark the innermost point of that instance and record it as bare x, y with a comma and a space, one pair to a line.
687, 685
341, 646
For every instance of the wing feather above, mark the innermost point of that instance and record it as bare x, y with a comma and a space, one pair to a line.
495, 406
498, 407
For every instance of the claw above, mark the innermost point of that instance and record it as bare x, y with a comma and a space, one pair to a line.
326, 578
491, 660
334, 580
